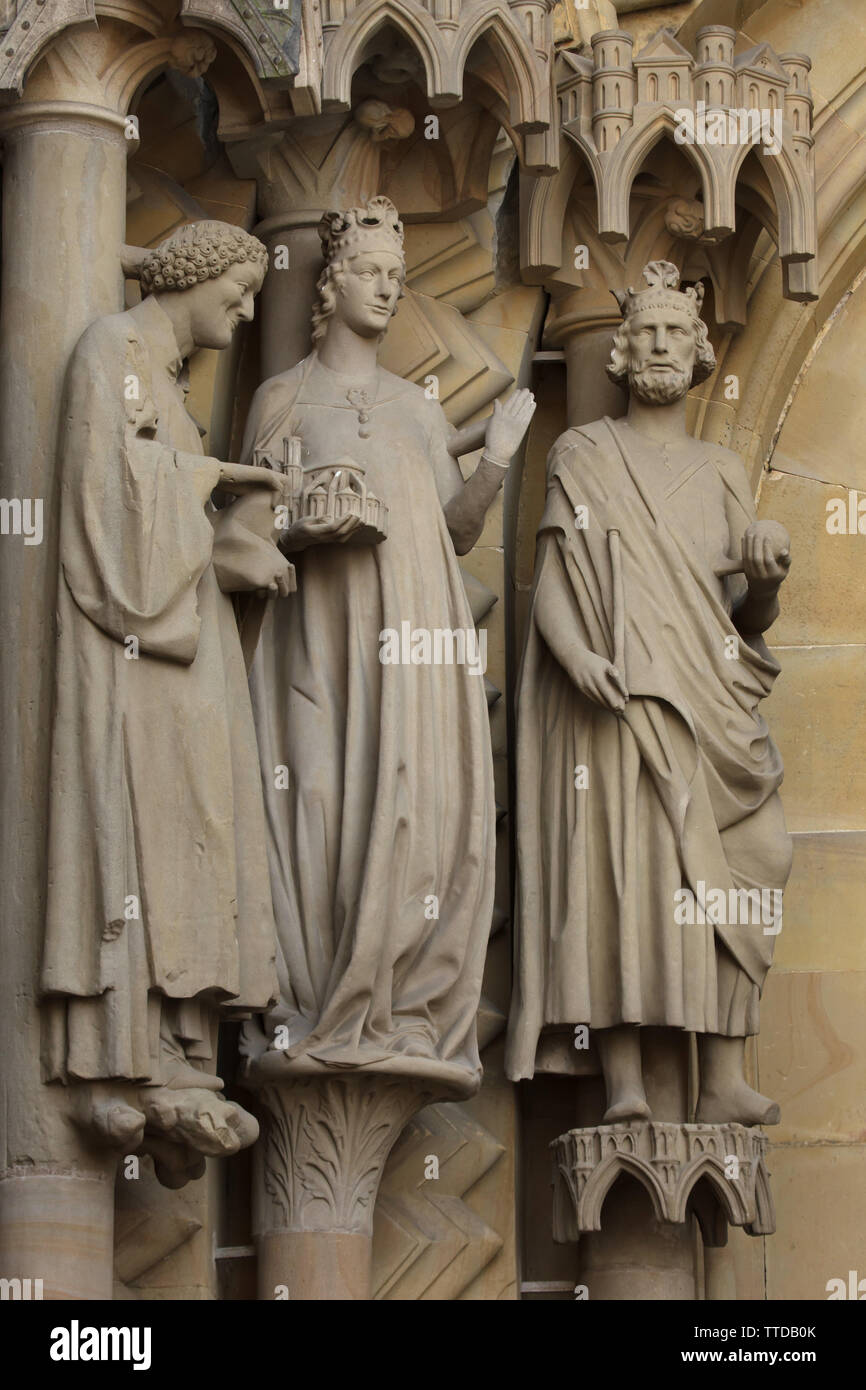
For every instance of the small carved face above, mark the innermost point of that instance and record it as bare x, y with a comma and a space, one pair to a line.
368, 293
218, 306
661, 348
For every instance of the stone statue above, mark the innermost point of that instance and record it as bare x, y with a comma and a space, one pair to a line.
646, 775
158, 915
377, 763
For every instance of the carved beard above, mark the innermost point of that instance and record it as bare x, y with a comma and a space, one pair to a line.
655, 390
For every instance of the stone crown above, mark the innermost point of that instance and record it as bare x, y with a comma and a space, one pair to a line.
376, 227
662, 279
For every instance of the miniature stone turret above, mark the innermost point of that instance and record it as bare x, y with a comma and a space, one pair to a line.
574, 88
612, 87
798, 103
715, 74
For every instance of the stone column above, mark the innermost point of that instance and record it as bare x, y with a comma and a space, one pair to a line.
317, 1172
635, 1257
64, 195
288, 293
583, 323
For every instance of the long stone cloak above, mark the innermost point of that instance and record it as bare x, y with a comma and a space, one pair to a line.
155, 792
388, 817
682, 788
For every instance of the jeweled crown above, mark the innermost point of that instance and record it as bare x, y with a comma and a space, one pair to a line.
376, 227
663, 279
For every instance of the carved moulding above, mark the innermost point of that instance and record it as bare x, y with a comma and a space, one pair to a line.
683, 1167
268, 35
280, 45
433, 1240
34, 26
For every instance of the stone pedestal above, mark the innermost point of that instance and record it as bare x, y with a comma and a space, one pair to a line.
324, 1147
642, 1246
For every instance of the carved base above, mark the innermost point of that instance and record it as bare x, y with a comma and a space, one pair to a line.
324, 1147
57, 1226
716, 1171
177, 1127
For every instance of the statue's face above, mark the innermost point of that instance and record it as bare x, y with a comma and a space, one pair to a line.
661, 348
216, 307
369, 292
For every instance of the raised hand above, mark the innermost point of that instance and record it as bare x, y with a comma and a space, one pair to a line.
508, 424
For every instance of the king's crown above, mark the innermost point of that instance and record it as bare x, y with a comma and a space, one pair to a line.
662, 279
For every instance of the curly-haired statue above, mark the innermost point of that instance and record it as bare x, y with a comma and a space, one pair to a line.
652, 849
197, 252
159, 917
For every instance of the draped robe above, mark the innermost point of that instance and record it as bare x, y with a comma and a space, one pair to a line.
157, 878
682, 789
388, 816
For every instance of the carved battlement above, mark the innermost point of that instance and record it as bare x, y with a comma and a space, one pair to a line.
611, 92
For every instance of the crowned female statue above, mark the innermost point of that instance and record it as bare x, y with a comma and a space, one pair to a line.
378, 775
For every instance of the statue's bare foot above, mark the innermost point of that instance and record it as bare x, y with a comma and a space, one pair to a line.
118, 1124
627, 1107
736, 1104
174, 1164
200, 1119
